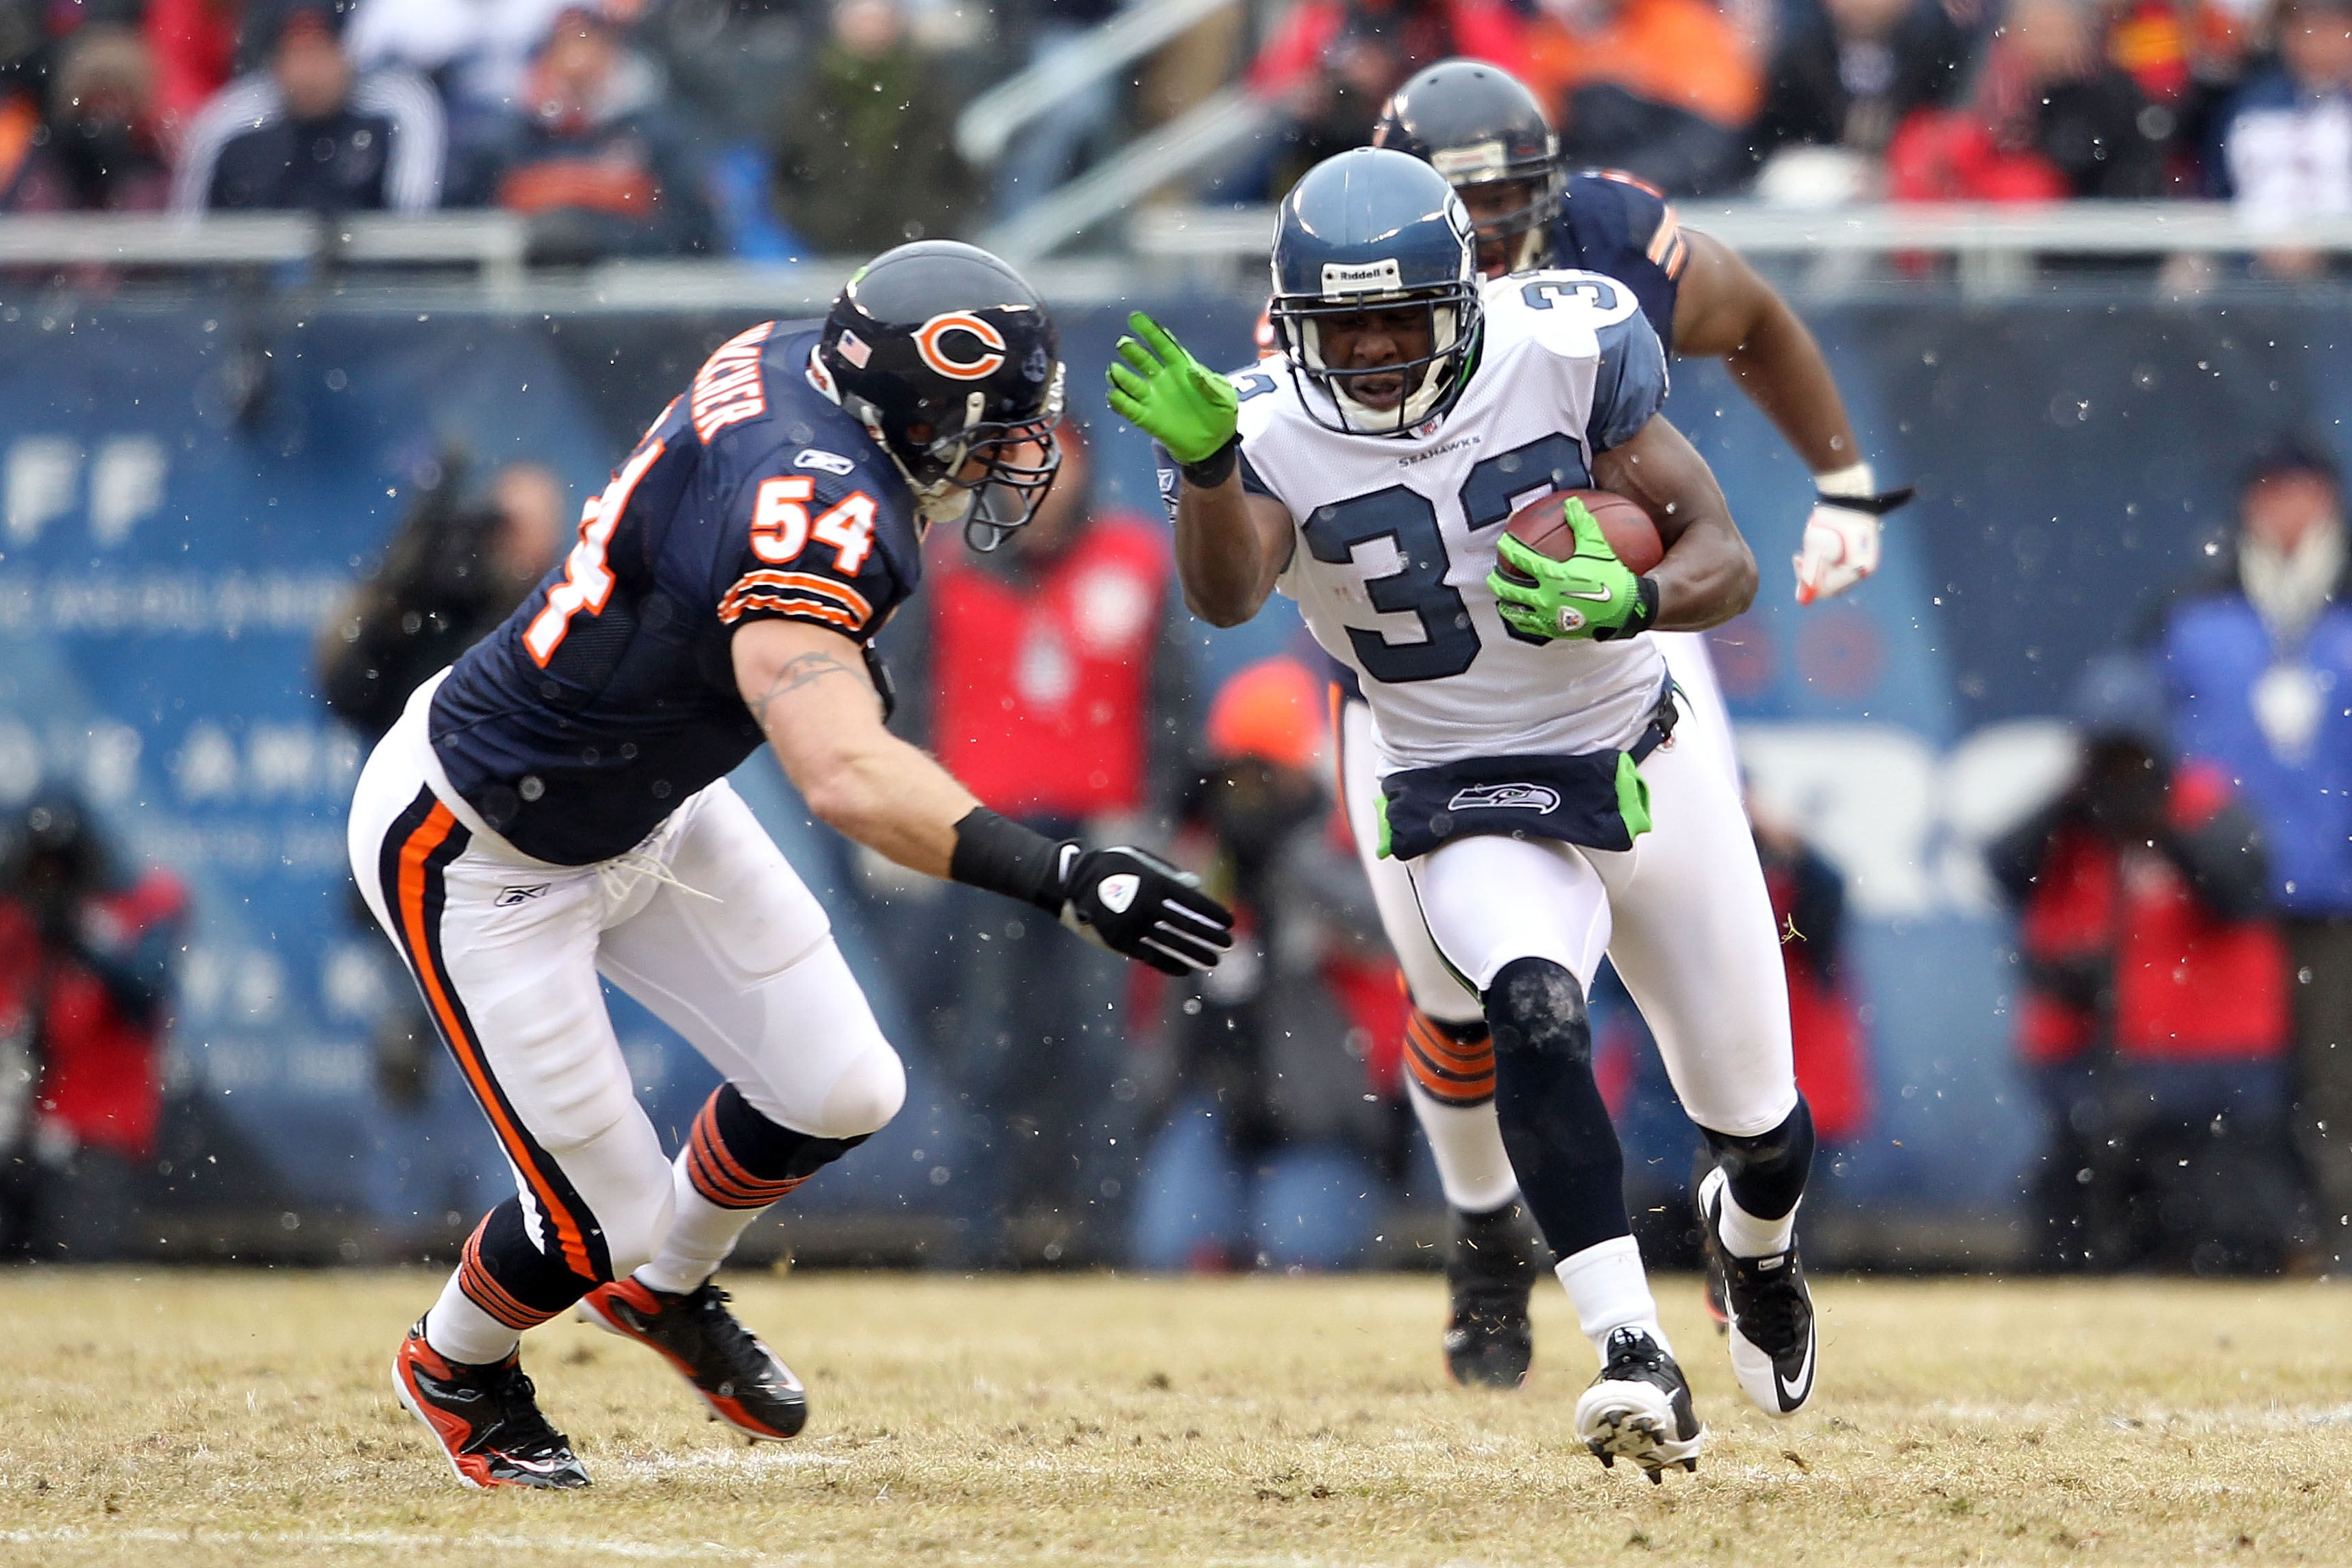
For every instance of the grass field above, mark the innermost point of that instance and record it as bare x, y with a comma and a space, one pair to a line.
202, 1419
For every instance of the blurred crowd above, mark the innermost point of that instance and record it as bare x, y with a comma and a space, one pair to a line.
2183, 924
775, 129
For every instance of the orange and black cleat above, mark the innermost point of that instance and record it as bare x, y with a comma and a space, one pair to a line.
485, 1418
742, 1381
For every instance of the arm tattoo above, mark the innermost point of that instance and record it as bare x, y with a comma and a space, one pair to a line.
799, 671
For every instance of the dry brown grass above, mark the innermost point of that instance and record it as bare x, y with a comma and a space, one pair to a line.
204, 1419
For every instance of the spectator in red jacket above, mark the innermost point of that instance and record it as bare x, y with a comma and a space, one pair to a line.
2152, 1017
85, 963
1054, 676
2051, 117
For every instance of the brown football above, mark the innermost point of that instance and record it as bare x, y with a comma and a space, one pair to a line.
1541, 526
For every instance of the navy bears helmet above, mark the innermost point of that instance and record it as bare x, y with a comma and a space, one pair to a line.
948, 359
1478, 125
1371, 231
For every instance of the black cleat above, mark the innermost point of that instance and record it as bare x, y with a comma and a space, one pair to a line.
741, 1379
1491, 1262
485, 1418
1768, 1310
1639, 1408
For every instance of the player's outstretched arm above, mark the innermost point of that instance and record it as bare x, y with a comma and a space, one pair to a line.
808, 691
1230, 545
1724, 309
807, 688
1709, 573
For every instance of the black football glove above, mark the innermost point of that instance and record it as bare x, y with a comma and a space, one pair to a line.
1140, 906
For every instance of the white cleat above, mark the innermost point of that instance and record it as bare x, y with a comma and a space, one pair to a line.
1639, 1408
1770, 1313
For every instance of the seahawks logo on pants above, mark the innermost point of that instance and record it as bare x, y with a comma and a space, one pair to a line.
1526, 797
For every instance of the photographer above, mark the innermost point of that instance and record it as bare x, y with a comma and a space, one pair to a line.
85, 968
453, 572
2153, 1021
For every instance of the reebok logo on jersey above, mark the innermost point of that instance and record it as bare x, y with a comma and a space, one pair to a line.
1521, 797
511, 896
824, 461
1380, 276
1118, 891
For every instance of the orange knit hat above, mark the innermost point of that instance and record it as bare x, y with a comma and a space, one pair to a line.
1272, 710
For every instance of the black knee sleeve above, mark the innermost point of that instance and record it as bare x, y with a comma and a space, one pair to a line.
1534, 1007
1768, 1172
739, 1159
1555, 1125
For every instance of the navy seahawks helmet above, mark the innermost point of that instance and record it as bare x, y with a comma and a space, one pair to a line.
948, 358
1478, 125
1372, 232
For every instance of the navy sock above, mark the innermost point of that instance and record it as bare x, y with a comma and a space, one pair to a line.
1768, 1172
1556, 1128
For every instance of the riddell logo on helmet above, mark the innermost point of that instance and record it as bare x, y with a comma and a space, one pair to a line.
1482, 159
931, 341
1381, 277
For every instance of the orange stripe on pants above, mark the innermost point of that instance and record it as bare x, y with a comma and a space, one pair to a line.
429, 836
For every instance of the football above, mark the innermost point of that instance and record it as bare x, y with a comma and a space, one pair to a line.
1541, 526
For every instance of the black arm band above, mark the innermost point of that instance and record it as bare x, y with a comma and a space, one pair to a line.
1215, 468
1877, 506
1001, 856
1645, 611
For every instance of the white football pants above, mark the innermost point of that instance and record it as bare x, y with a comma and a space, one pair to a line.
705, 922
1684, 914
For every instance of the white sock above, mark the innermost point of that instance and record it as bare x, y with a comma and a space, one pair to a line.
1466, 1142
464, 1333
1606, 1282
700, 1239
1745, 1236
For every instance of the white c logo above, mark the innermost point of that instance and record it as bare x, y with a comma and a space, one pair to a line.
928, 343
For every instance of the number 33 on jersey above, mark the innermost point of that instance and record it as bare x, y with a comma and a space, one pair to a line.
1396, 535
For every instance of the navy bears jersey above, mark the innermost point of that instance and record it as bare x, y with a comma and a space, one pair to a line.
1615, 224
609, 696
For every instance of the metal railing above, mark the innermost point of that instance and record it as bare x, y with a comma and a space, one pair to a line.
490, 241
479, 256
1212, 129
995, 116
1995, 245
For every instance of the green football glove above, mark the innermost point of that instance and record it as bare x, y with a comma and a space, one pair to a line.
1171, 396
1591, 595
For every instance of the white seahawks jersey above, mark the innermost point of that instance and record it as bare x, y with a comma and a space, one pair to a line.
1396, 535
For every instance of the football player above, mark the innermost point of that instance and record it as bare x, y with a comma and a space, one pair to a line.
1483, 130
1521, 725
554, 808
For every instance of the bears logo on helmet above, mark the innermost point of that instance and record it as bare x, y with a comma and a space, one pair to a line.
931, 341
953, 364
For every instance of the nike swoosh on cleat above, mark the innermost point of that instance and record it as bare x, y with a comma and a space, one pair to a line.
1802, 1383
